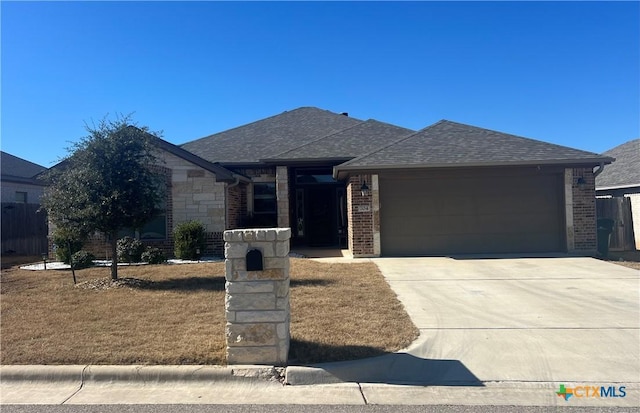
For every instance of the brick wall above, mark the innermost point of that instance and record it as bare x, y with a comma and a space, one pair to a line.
236, 205
584, 210
360, 217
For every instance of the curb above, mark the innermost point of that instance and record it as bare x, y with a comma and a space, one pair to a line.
301, 376
109, 374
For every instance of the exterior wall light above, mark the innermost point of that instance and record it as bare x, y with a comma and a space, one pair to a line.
364, 189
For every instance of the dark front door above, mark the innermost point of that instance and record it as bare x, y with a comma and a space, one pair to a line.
321, 215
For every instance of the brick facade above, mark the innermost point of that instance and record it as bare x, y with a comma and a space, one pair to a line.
360, 214
236, 205
584, 210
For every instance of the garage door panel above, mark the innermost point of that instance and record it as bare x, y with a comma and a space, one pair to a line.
445, 213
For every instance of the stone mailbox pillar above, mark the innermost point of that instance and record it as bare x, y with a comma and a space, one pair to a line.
257, 301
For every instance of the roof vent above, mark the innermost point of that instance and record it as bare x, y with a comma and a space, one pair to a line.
345, 113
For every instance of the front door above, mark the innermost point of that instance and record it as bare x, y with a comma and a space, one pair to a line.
321, 215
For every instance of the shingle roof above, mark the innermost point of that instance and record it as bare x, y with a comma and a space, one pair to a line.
447, 143
625, 171
18, 169
222, 174
349, 143
269, 137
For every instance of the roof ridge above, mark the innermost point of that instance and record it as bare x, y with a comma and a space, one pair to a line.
259, 120
391, 143
320, 138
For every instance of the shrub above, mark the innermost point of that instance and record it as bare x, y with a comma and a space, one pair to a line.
65, 244
188, 238
83, 259
129, 249
154, 256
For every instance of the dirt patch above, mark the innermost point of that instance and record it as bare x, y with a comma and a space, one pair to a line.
630, 259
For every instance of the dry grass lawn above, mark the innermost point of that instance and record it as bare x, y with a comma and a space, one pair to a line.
176, 315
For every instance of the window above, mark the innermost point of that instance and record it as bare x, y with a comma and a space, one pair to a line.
21, 197
265, 205
264, 198
156, 229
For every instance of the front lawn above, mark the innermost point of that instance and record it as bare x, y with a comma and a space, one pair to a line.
174, 314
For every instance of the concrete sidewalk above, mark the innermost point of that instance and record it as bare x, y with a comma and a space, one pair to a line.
254, 385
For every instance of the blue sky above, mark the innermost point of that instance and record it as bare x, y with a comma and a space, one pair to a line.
561, 72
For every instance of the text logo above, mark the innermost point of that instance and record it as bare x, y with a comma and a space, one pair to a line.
591, 392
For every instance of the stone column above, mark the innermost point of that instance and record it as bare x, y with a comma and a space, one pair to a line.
257, 302
282, 196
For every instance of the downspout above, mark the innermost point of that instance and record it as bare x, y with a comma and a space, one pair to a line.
226, 199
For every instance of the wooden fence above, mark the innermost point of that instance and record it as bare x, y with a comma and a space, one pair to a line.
24, 229
619, 210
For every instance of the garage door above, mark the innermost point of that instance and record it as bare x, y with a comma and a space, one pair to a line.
492, 211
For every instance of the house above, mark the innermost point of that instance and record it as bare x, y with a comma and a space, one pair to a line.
384, 190
196, 190
24, 229
380, 189
618, 192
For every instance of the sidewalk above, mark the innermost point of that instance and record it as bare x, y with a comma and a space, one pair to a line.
257, 385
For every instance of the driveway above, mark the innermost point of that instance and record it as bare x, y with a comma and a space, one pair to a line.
565, 319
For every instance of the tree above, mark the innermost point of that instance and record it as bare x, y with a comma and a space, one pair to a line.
107, 183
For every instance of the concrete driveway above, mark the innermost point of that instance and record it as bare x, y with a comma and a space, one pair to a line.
565, 319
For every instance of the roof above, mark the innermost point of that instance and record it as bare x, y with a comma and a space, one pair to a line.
451, 144
222, 174
14, 166
625, 171
348, 143
269, 137
19, 170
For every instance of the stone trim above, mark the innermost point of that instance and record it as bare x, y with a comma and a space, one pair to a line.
282, 196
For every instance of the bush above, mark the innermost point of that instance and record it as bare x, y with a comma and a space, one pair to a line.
129, 249
188, 238
63, 239
83, 259
153, 256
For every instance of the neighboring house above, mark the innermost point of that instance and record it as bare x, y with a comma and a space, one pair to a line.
620, 183
24, 230
385, 190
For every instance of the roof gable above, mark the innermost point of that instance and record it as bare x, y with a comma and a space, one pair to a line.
348, 143
269, 137
17, 167
447, 143
625, 171
221, 173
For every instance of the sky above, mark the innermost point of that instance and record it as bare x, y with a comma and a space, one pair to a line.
561, 72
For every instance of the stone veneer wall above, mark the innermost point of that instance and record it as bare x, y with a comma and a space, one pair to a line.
257, 302
196, 195
192, 194
282, 195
